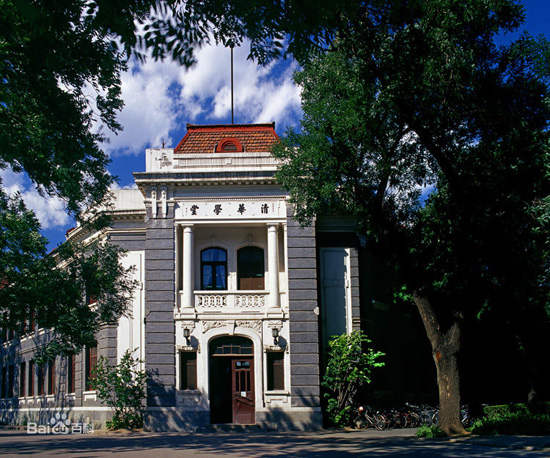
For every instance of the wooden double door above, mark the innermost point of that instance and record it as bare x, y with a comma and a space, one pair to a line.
232, 390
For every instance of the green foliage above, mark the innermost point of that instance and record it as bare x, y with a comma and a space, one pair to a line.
525, 419
436, 140
519, 422
505, 409
430, 432
52, 290
349, 369
122, 387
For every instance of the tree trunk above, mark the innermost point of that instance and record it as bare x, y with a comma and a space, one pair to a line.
445, 346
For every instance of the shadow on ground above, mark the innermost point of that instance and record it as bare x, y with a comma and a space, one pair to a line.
324, 444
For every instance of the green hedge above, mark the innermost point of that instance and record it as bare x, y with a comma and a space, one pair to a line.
524, 419
538, 408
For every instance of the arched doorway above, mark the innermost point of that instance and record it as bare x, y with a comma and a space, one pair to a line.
231, 380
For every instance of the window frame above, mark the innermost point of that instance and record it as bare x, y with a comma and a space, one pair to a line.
23, 379
91, 362
51, 377
4, 388
275, 370
32, 370
213, 265
41, 377
71, 373
241, 271
224, 142
188, 370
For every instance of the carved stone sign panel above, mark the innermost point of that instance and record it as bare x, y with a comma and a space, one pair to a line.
231, 209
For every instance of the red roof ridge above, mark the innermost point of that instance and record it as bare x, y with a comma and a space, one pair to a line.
222, 127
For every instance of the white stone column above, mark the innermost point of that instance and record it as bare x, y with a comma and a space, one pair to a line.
187, 283
273, 265
154, 201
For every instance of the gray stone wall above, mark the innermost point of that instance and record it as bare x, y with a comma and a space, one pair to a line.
131, 241
159, 311
303, 315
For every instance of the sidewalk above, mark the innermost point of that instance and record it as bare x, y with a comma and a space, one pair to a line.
321, 444
513, 442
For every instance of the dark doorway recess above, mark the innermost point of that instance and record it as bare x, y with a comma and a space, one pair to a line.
232, 380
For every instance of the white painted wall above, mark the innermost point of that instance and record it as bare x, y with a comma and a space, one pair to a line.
130, 332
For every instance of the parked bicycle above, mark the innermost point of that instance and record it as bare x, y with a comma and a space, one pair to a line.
366, 418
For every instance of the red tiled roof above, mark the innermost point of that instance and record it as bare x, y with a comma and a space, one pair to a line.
255, 138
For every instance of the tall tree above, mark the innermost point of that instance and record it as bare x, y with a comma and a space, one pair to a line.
60, 65
436, 139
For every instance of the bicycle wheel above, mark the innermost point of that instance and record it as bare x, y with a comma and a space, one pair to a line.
380, 422
360, 422
400, 420
426, 418
414, 420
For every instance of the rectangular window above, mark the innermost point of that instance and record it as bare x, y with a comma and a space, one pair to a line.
11, 380
31, 377
91, 361
41, 380
4, 381
275, 371
71, 366
23, 379
250, 268
51, 377
188, 370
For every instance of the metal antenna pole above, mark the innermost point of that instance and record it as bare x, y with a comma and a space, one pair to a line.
232, 84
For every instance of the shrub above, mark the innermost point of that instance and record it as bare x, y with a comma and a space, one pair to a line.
533, 408
349, 369
507, 422
122, 387
430, 431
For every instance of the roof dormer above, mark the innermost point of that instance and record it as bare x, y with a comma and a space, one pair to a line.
229, 145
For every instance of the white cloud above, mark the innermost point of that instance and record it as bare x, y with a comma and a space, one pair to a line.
128, 186
160, 97
149, 111
261, 94
50, 211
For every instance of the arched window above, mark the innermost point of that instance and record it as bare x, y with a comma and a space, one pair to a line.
250, 268
214, 269
229, 145
231, 346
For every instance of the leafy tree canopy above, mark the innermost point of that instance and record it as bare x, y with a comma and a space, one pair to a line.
73, 292
437, 140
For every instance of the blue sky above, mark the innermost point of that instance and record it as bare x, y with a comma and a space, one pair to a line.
161, 98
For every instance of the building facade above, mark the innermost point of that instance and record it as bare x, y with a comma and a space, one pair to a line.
235, 303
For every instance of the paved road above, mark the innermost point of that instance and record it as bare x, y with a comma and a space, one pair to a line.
323, 444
